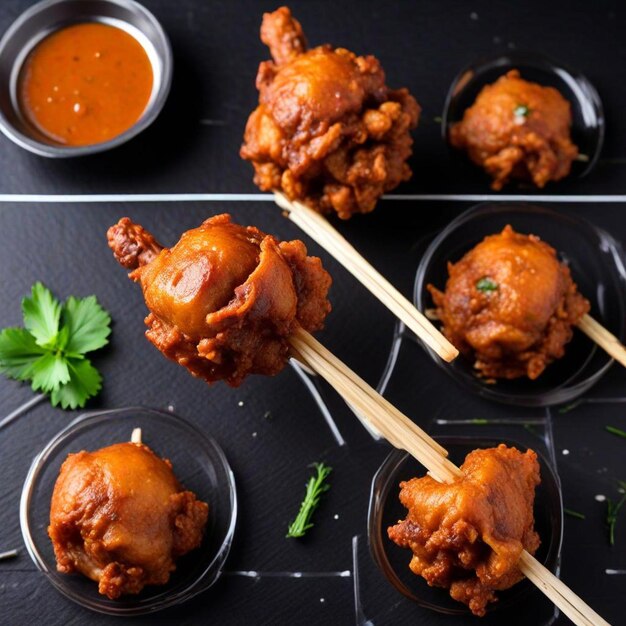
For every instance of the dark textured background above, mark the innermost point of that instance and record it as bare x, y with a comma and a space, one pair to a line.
193, 147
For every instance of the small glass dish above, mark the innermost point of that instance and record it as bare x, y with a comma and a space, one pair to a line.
385, 510
198, 463
587, 110
594, 259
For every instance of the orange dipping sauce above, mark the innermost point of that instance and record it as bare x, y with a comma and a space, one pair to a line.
85, 84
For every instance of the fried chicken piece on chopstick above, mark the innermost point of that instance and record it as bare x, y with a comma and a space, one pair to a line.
224, 300
328, 130
467, 536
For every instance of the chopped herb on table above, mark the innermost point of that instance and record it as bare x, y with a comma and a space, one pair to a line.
314, 490
616, 431
575, 514
486, 285
50, 350
612, 511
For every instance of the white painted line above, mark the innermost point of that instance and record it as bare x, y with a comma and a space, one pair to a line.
256, 574
506, 198
266, 197
139, 197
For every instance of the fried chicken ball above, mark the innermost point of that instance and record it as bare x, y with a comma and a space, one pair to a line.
518, 130
224, 300
119, 516
467, 536
327, 131
510, 304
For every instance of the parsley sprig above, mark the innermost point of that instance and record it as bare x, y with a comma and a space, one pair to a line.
50, 350
314, 490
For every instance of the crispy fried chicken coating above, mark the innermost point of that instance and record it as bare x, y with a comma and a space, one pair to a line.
120, 517
518, 129
510, 304
327, 131
467, 536
224, 300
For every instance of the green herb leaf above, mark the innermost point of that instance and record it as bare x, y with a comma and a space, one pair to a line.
50, 350
85, 382
572, 513
88, 325
42, 312
486, 285
50, 372
521, 110
314, 490
612, 511
616, 431
18, 353
569, 407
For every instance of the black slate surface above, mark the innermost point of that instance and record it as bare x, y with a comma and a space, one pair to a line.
193, 147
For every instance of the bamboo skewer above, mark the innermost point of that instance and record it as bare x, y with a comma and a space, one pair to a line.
606, 340
319, 229
135, 436
404, 434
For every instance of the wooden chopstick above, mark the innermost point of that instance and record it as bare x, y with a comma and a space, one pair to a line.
404, 434
320, 230
606, 340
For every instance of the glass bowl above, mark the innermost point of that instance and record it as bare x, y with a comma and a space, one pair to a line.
385, 510
198, 463
595, 260
587, 112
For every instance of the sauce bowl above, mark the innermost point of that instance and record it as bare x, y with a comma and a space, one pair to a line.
48, 16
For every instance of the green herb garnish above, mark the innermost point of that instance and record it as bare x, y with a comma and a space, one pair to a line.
616, 431
521, 110
572, 513
612, 511
569, 407
50, 350
314, 490
486, 285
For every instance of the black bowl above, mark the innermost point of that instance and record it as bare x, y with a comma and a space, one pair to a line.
587, 111
595, 260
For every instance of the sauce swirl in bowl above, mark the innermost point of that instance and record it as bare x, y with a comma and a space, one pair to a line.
85, 84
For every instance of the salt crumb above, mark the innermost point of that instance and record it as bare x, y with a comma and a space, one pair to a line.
336, 516
322, 600
473, 15
600, 498
254, 434
240, 403
565, 452
170, 408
